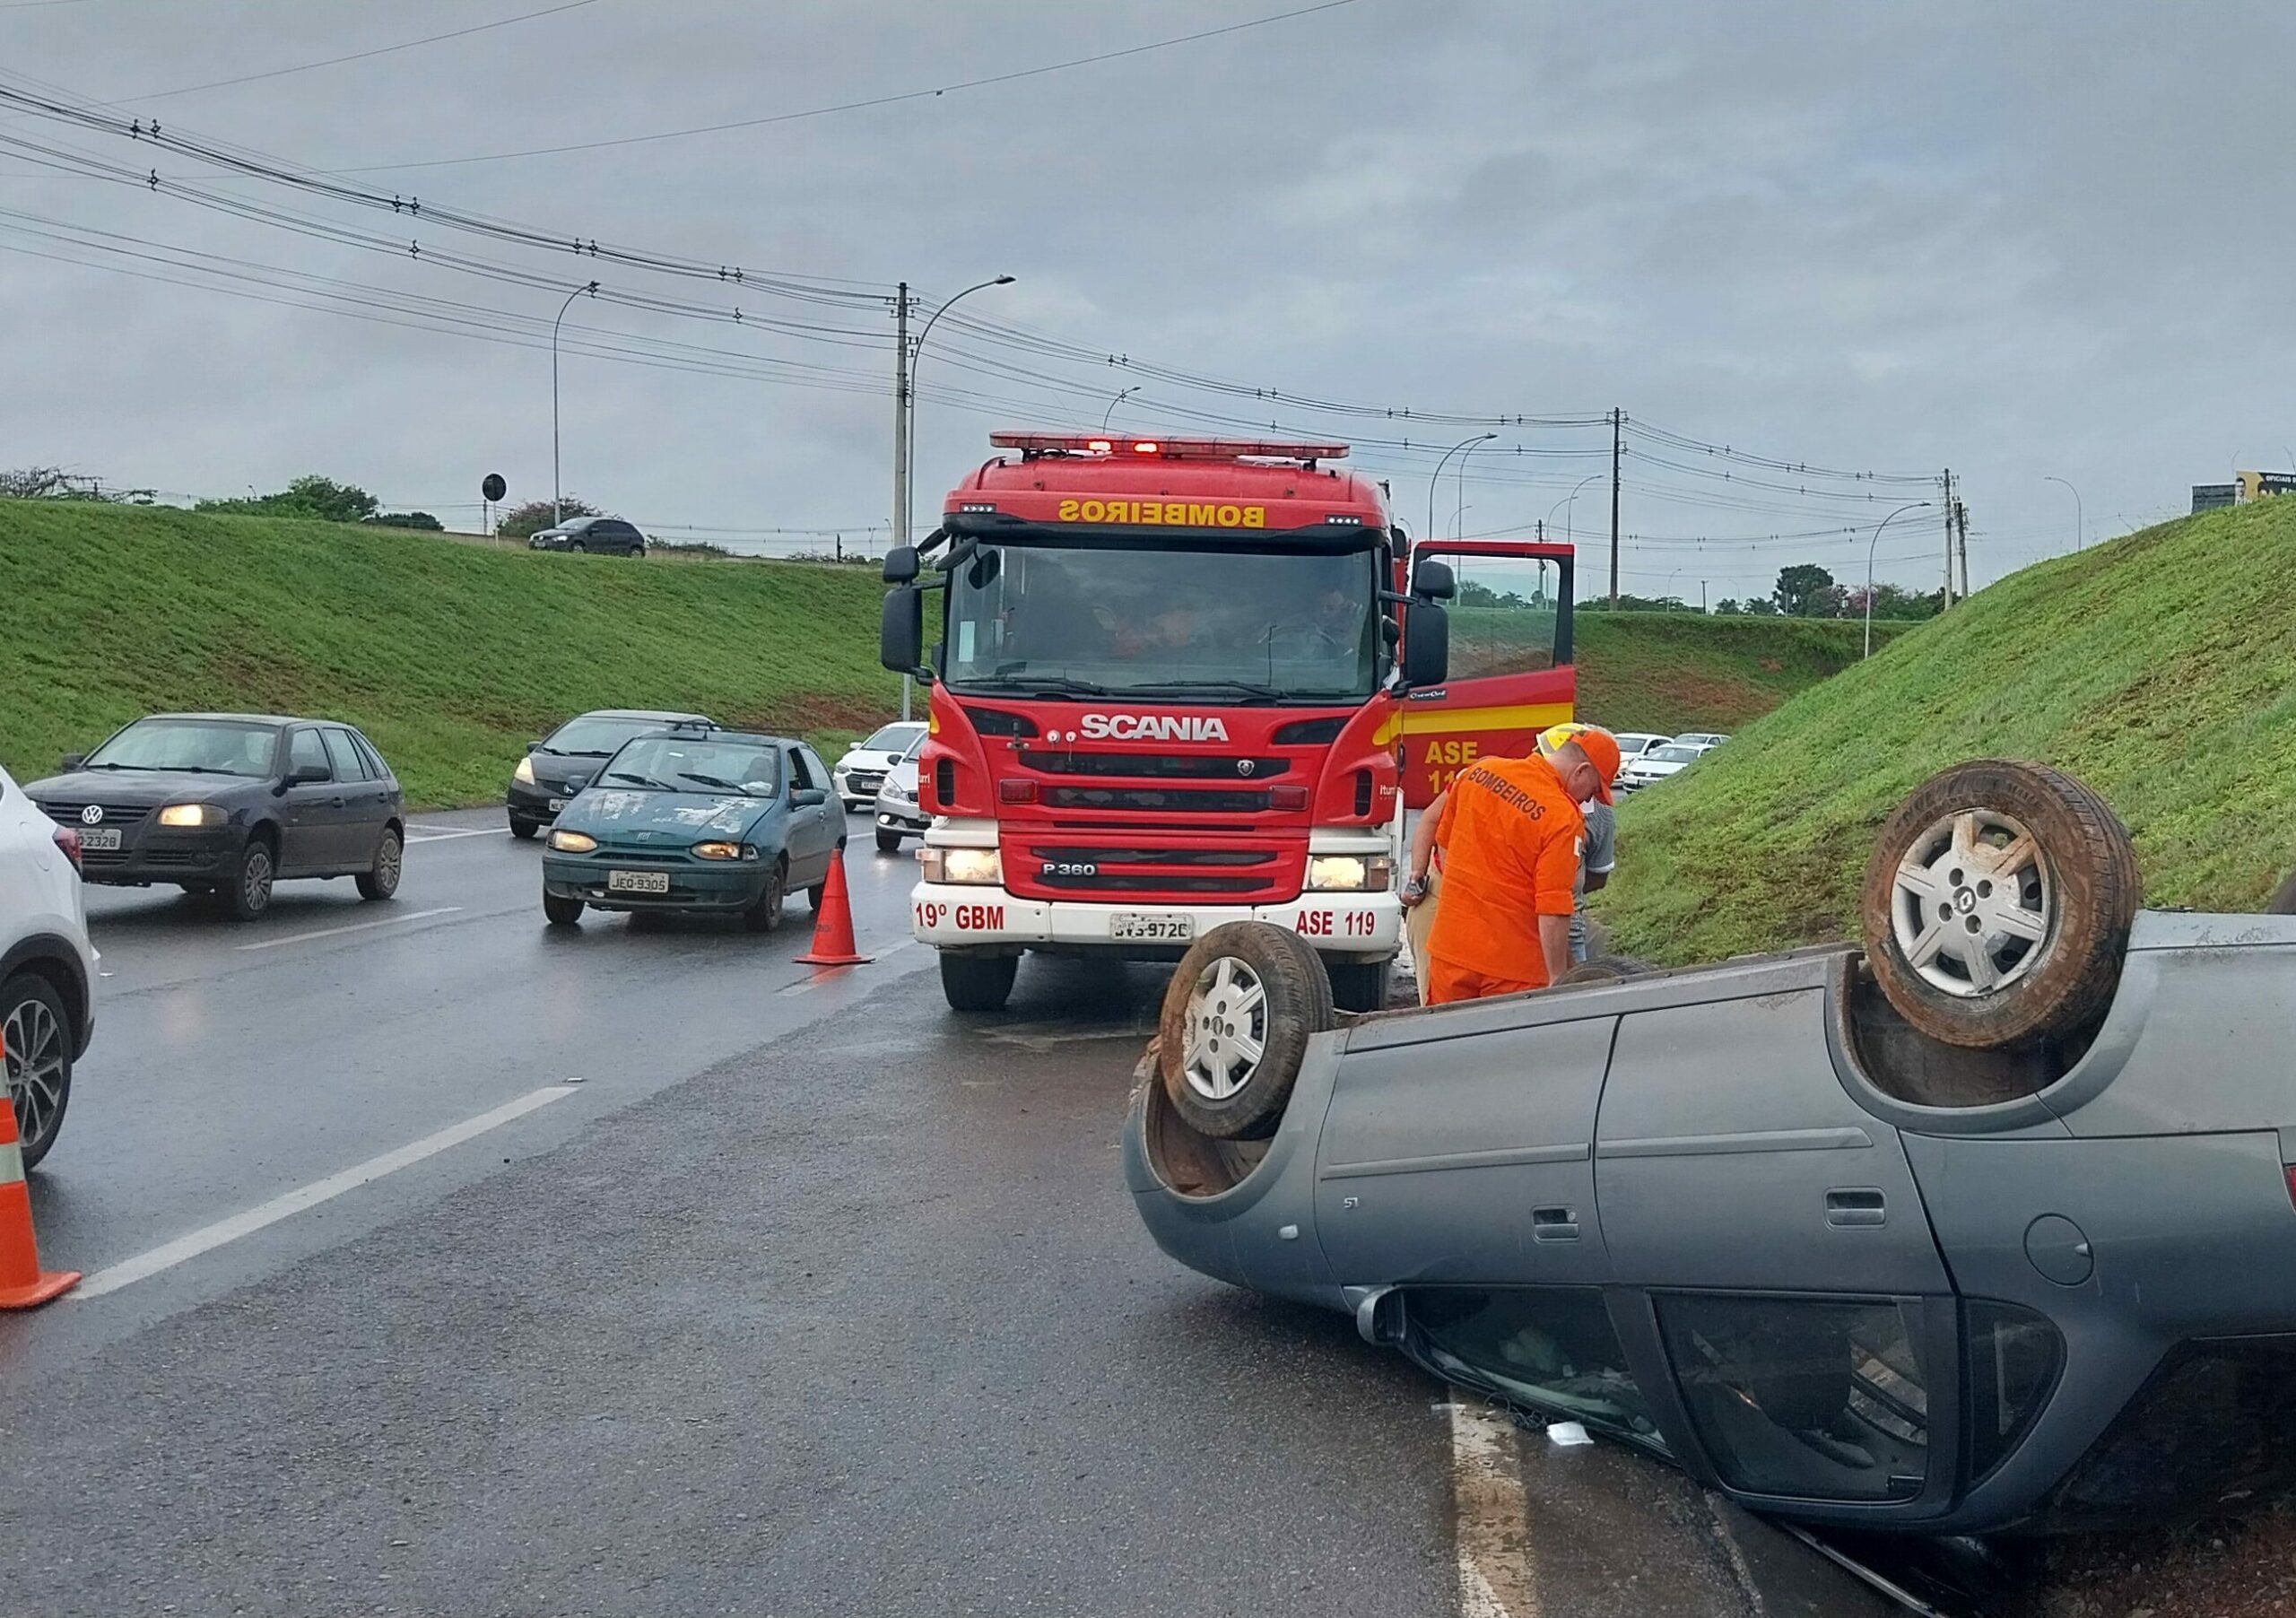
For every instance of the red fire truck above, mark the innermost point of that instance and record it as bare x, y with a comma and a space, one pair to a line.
1179, 683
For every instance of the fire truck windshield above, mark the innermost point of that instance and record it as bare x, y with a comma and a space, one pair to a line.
1209, 624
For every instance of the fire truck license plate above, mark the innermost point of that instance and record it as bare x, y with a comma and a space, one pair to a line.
1159, 929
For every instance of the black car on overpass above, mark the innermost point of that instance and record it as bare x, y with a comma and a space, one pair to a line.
229, 804
563, 762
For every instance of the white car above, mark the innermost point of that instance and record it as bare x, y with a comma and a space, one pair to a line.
863, 769
898, 814
1702, 738
1634, 744
1658, 764
48, 967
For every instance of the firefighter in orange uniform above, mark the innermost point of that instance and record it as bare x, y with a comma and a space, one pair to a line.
1511, 836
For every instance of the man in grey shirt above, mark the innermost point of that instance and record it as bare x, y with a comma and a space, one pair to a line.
1596, 861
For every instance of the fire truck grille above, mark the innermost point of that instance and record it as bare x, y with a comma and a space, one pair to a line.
1156, 856
1155, 799
1148, 766
1157, 882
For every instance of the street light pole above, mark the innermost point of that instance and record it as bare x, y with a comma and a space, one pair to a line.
916, 353
1459, 516
1480, 438
1870, 548
1122, 394
1568, 504
557, 501
2080, 524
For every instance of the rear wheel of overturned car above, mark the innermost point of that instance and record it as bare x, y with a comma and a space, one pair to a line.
978, 983
561, 912
1997, 905
1237, 1017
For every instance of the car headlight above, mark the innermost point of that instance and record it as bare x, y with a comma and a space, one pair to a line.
524, 772
972, 867
191, 814
899, 793
573, 843
1352, 872
715, 850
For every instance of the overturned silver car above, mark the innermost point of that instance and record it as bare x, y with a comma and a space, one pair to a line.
1987, 1226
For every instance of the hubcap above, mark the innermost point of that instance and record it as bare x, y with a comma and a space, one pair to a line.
35, 1045
1227, 1028
1973, 909
387, 863
257, 881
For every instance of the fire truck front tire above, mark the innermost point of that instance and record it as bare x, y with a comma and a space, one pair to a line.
1359, 986
888, 842
978, 983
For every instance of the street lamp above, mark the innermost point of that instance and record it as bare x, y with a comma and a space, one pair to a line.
2080, 524
557, 505
1568, 504
1480, 438
1876, 541
1459, 514
1122, 394
916, 353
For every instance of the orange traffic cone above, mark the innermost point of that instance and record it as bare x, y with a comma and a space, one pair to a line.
23, 1283
833, 927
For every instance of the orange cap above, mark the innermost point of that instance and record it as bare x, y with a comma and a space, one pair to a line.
1599, 744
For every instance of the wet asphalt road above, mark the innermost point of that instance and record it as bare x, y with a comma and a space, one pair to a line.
810, 1298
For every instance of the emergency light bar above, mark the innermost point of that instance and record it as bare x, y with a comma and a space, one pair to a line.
1166, 449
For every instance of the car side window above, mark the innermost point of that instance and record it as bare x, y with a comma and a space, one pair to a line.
1816, 1398
1551, 1348
304, 747
801, 779
344, 757
375, 768
814, 767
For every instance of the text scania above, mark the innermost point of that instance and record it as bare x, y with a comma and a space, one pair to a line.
1151, 727
1166, 513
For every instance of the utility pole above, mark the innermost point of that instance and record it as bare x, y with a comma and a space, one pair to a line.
900, 448
1962, 525
1947, 600
1702, 598
1618, 422
1542, 530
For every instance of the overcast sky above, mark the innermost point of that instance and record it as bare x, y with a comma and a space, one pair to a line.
2016, 242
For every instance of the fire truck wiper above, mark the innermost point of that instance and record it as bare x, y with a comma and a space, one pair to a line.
1241, 688
1057, 685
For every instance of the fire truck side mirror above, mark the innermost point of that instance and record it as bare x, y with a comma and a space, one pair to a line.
1434, 581
900, 564
900, 632
1426, 644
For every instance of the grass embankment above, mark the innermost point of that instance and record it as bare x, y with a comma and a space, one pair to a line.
1671, 672
451, 656
2161, 668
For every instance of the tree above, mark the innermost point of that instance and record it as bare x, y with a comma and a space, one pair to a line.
1892, 600
53, 482
524, 522
1727, 607
1761, 606
312, 497
406, 520
1806, 590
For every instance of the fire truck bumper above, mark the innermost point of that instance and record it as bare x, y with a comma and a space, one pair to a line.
1345, 927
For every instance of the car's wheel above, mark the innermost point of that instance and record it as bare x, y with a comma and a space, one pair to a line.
579, 548
1606, 969
1359, 986
814, 895
1236, 1021
248, 894
888, 842
381, 879
978, 983
765, 915
1997, 905
638, 552
524, 831
36, 1034
561, 912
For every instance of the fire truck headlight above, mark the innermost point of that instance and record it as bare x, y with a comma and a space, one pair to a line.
970, 867
1352, 872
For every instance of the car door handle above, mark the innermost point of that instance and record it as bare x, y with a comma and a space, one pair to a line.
334, 803
1858, 1207
1555, 1224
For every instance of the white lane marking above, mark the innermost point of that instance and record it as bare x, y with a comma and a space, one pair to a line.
208, 1237
356, 927
439, 834
1493, 1532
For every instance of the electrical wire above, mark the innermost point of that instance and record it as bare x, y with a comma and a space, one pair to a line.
361, 56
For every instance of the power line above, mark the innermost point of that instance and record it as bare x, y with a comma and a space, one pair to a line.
882, 101
361, 56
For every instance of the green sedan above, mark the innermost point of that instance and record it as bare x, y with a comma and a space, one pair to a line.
696, 820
